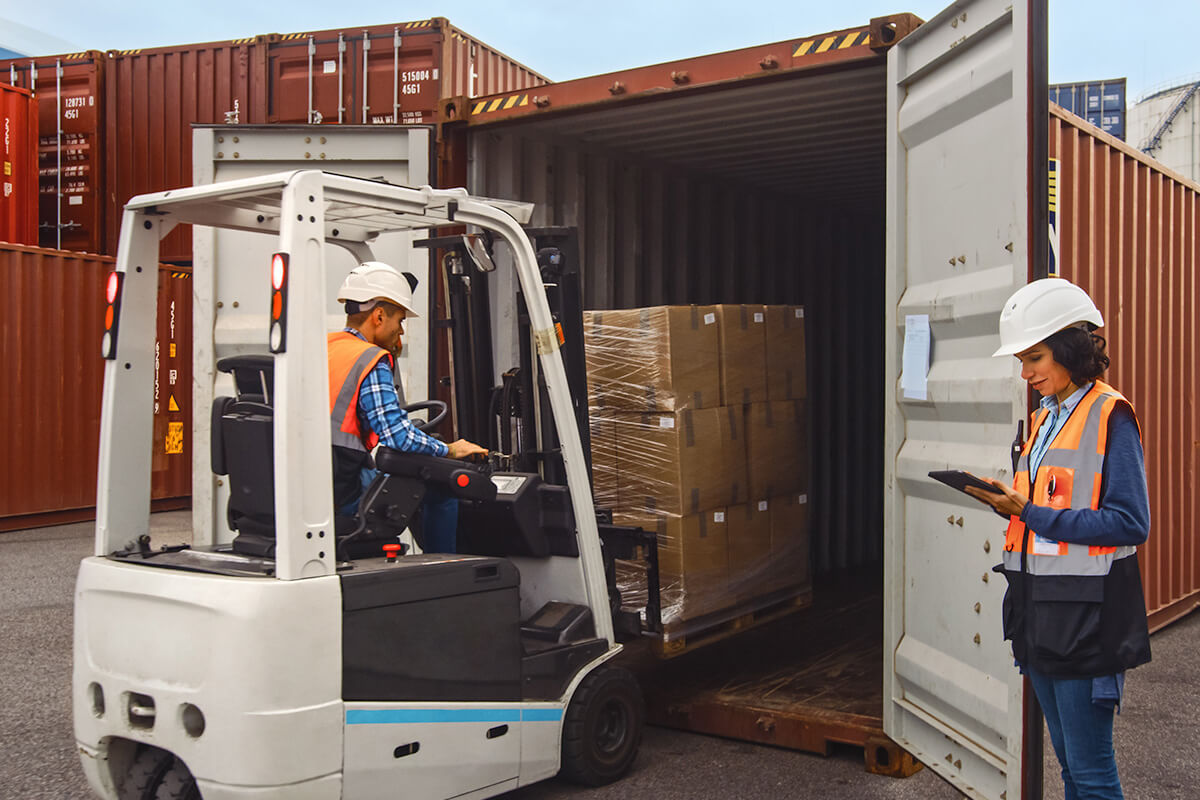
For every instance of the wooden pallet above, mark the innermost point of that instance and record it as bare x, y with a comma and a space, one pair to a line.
807, 681
687, 636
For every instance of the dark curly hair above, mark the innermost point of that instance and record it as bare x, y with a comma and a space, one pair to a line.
1080, 352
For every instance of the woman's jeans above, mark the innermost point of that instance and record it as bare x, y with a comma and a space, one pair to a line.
1081, 733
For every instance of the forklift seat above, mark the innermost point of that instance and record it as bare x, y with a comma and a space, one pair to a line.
243, 447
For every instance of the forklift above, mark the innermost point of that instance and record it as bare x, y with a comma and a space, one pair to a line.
294, 651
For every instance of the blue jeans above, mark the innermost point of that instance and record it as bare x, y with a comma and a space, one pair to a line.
1081, 733
439, 517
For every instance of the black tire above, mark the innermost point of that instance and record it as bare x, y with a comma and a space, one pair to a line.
603, 727
177, 783
145, 774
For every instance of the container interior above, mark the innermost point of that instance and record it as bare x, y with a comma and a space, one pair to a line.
759, 190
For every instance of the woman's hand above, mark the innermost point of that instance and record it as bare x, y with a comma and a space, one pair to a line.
1010, 503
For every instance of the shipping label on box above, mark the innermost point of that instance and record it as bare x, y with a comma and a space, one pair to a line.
693, 562
743, 354
786, 353
680, 463
663, 358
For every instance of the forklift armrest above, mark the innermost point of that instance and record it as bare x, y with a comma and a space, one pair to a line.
457, 477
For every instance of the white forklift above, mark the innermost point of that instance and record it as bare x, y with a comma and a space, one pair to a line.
290, 651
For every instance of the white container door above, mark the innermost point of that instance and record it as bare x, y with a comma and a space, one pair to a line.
957, 233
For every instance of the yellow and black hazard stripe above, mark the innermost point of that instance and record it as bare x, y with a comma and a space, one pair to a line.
500, 103
408, 26
839, 41
247, 40
181, 274
287, 37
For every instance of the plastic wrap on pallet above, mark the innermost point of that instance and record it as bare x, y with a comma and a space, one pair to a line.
676, 463
743, 354
663, 358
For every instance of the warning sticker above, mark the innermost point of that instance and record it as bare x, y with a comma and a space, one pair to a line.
174, 440
172, 348
172, 405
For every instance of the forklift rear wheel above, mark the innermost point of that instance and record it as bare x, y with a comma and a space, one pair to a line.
603, 727
145, 774
177, 784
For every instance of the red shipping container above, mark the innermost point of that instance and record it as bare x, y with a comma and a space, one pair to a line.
152, 99
69, 93
18, 166
51, 438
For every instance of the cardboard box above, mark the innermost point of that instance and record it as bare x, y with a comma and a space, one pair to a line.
786, 359
680, 463
693, 562
791, 539
777, 449
750, 562
742, 344
604, 460
662, 358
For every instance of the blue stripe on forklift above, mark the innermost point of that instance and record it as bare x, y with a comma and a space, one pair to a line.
541, 714
394, 716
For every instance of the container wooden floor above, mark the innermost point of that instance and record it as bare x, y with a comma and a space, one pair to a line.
807, 681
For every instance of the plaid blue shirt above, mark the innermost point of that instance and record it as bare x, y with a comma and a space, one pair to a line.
379, 410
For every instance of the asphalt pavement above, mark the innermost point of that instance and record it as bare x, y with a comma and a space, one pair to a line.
1157, 734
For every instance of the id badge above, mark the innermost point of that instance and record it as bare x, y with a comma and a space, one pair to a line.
1043, 546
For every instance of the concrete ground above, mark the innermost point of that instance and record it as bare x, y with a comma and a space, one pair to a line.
1157, 736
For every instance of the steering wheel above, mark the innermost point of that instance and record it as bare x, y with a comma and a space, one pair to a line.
438, 409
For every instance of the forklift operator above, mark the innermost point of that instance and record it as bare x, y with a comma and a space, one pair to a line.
364, 406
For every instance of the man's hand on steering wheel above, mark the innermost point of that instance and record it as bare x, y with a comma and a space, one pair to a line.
461, 448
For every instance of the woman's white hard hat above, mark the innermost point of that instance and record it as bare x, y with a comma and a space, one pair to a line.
375, 280
1042, 308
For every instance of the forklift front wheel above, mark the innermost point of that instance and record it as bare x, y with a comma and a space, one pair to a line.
177, 784
603, 727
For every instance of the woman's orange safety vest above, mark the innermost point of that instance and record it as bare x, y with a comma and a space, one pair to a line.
1072, 610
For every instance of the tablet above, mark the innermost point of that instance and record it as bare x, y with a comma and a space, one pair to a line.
960, 480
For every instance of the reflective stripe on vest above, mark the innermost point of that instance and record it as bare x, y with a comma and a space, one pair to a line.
1069, 476
350, 360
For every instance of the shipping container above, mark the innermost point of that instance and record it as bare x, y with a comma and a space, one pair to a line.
19, 178
129, 133
70, 96
1101, 103
152, 99
53, 308
890, 195
1129, 233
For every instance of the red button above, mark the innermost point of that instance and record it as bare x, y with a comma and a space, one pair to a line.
391, 551
463, 479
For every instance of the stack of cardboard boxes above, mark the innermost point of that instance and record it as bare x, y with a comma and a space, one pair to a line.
699, 432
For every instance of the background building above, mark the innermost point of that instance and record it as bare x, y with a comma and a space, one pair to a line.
1165, 124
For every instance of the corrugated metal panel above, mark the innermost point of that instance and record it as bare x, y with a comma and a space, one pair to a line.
735, 198
1130, 234
52, 303
18, 170
71, 214
152, 99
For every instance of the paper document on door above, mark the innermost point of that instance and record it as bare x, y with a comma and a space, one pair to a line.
916, 357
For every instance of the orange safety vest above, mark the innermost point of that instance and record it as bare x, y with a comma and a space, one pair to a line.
350, 359
1072, 610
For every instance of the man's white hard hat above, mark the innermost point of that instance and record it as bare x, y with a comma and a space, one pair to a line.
1042, 308
375, 280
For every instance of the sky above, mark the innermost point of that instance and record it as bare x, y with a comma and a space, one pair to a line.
1151, 45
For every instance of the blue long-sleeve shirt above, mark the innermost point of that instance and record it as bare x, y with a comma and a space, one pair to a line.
379, 410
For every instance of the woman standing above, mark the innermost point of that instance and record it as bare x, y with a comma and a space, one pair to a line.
1078, 507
